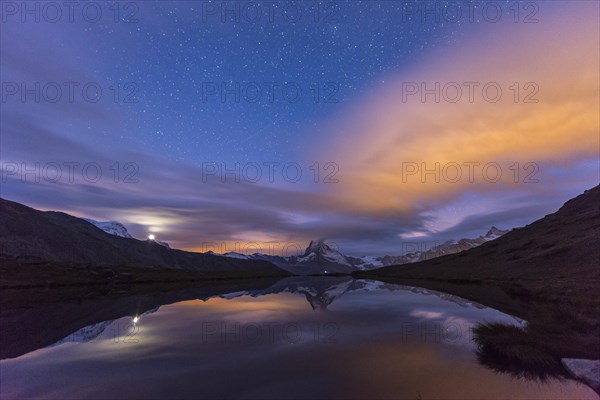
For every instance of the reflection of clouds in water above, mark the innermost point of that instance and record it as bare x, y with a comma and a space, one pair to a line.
426, 314
273, 314
458, 331
224, 348
438, 327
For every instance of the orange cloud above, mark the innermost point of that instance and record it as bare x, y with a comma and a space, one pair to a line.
555, 62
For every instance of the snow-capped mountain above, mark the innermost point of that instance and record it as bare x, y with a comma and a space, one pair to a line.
367, 262
320, 257
233, 254
449, 247
494, 233
320, 249
165, 244
111, 227
452, 247
118, 229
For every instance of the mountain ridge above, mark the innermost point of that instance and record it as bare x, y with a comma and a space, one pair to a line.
30, 236
563, 238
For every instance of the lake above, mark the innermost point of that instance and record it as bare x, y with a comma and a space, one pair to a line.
298, 337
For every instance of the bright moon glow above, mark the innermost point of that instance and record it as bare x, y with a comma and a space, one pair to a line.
151, 237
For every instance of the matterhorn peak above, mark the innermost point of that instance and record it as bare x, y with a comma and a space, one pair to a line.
321, 251
318, 247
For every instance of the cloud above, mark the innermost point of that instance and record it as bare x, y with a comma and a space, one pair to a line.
382, 136
370, 209
171, 197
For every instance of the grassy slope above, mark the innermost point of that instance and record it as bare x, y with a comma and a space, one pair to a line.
15, 275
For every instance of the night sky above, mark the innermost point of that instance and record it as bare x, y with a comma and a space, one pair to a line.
310, 100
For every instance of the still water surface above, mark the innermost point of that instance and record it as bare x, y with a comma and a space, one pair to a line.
295, 338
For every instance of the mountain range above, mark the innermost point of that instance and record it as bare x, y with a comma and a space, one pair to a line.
33, 236
322, 258
555, 249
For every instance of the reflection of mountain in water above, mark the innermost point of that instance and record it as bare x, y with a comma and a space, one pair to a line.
320, 292
82, 320
92, 332
53, 323
86, 334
